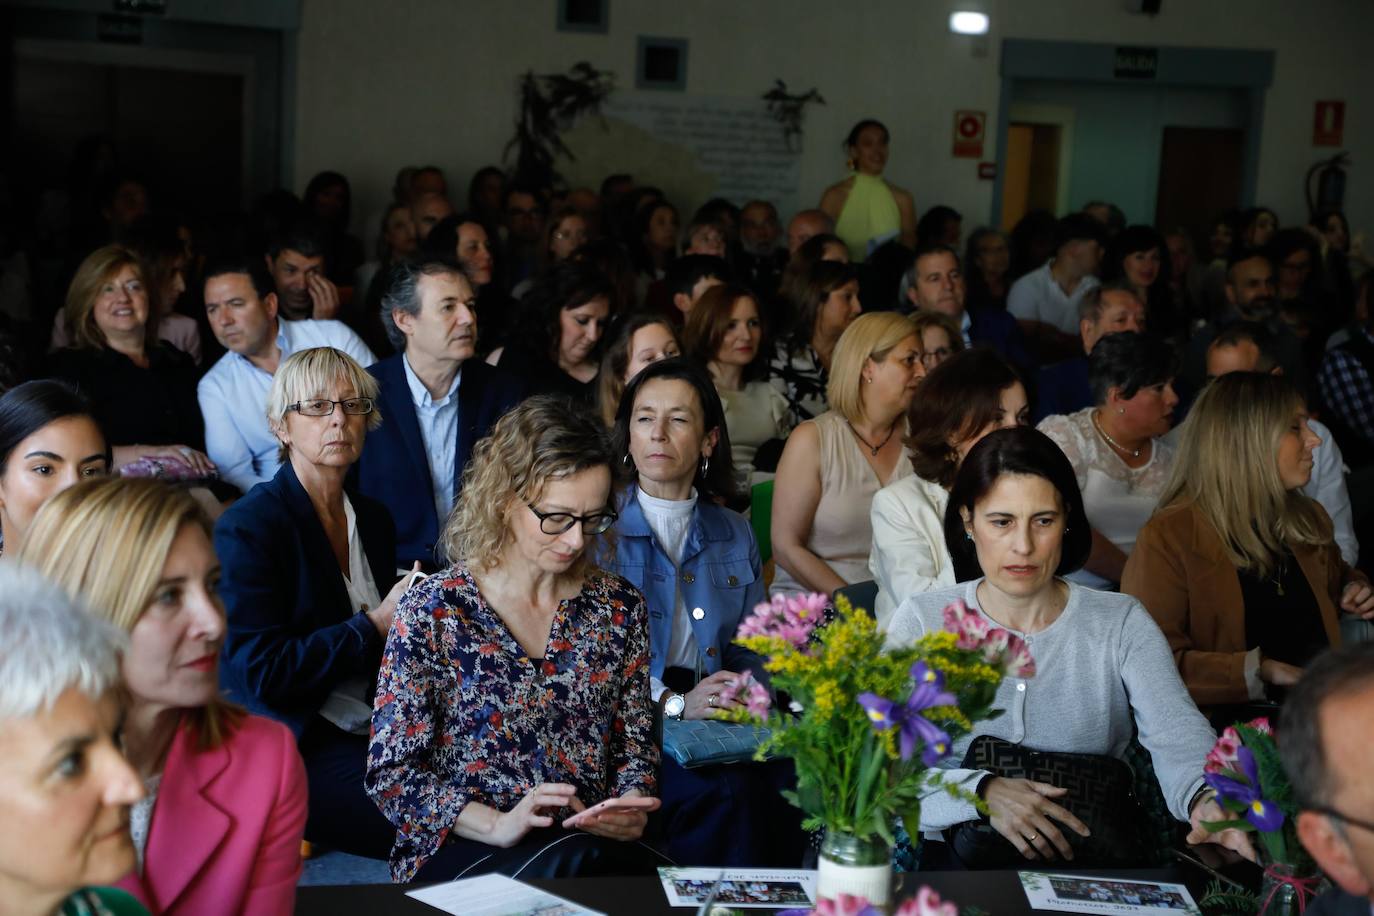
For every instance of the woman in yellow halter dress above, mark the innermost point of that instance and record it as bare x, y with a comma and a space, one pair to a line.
867, 210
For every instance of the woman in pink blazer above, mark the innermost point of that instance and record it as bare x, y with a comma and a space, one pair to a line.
219, 831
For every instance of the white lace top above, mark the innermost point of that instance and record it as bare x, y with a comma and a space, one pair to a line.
1118, 499
141, 817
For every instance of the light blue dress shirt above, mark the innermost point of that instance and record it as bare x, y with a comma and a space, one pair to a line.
439, 431
233, 400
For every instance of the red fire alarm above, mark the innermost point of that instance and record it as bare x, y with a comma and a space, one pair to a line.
1328, 124
969, 128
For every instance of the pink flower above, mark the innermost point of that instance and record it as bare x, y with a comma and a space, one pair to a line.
1018, 660
790, 618
845, 905
1262, 726
967, 624
758, 702
927, 903
1224, 753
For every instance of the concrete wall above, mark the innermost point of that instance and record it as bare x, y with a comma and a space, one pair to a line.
411, 81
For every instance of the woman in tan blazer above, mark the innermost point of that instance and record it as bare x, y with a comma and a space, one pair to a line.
1238, 567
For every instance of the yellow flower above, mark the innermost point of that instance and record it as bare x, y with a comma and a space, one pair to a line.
829, 694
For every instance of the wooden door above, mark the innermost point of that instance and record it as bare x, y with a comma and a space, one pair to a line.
1199, 176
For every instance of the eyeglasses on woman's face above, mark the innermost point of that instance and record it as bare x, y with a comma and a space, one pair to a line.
556, 523
323, 407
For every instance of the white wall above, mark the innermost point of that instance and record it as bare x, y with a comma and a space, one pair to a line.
382, 85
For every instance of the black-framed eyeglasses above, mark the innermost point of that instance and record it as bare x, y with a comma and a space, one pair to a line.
323, 407
1332, 812
936, 356
559, 522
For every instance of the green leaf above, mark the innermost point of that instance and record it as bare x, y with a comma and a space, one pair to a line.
1218, 826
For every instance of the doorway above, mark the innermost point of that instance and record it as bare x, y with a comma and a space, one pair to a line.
1200, 171
1032, 170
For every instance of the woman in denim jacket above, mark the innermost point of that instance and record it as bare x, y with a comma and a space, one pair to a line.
698, 566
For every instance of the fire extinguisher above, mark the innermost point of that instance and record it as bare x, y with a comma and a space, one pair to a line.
1330, 175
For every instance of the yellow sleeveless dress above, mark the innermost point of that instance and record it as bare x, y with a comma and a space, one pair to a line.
870, 217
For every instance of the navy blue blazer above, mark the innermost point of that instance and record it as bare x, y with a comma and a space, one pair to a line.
394, 468
293, 635
999, 330
1062, 388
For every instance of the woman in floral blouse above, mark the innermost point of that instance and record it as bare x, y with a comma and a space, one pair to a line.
514, 690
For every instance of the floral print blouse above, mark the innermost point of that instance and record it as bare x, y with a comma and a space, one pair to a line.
462, 713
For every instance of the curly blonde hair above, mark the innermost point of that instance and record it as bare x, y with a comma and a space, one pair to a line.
545, 438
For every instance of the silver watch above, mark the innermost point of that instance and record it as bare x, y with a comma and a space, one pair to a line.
674, 706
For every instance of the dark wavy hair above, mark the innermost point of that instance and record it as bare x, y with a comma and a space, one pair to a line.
563, 286
1023, 451
961, 396
718, 483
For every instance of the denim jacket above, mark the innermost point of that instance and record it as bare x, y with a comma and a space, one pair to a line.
720, 574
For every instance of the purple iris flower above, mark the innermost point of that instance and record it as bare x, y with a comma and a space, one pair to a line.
928, 692
1264, 814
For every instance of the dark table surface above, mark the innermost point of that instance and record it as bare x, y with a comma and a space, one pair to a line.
999, 893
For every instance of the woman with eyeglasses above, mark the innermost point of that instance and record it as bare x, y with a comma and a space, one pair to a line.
940, 337
310, 588
514, 691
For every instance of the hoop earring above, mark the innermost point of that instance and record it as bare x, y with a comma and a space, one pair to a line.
625, 462
705, 465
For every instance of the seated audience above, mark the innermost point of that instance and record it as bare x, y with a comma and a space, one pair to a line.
523, 227
48, 442
1257, 227
296, 259
832, 465
219, 828
165, 261
940, 337
1103, 674
654, 241
704, 236
641, 339
673, 529
1046, 300
427, 207
1328, 737
395, 243
940, 225
142, 391
988, 261
1116, 446
305, 569
965, 398
555, 342
725, 333
1249, 347
760, 259
1238, 567
465, 238
438, 402
800, 368
243, 314
1137, 260
1063, 387
935, 283
804, 225
66, 790
328, 199
541, 641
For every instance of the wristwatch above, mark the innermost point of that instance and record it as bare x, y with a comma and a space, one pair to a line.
674, 706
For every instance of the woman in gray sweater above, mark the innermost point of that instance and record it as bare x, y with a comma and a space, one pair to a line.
1103, 669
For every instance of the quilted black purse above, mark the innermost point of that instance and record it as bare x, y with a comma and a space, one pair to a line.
1101, 795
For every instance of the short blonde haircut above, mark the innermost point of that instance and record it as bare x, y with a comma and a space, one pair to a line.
544, 438
105, 542
1226, 467
99, 268
870, 336
309, 374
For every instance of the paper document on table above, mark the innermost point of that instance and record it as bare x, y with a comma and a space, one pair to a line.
1084, 894
497, 895
739, 888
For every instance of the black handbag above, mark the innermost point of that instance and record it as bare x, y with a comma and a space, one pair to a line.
1101, 795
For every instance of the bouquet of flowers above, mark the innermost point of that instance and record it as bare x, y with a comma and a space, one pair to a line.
872, 724
925, 903
1245, 771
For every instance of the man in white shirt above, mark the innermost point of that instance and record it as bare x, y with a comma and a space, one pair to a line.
1045, 301
242, 310
1248, 346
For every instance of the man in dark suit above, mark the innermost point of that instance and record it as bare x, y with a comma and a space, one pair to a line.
436, 402
936, 283
1063, 387
1327, 726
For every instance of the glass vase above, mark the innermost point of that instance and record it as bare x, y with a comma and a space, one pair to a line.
1285, 892
855, 866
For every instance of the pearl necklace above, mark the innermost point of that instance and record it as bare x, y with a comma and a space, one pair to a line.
1097, 425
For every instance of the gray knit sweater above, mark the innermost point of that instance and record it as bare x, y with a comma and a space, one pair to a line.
1101, 665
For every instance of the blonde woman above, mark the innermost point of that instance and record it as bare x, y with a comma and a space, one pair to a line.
142, 390
310, 588
1238, 567
514, 691
219, 828
833, 465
